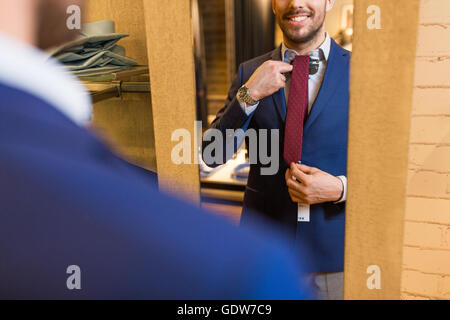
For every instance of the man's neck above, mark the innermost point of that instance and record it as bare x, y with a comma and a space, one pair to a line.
305, 48
17, 20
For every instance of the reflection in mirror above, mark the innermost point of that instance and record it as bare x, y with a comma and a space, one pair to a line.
286, 112
200, 62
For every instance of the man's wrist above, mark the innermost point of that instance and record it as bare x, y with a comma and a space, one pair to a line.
247, 94
253, 93
343, 197
248, 109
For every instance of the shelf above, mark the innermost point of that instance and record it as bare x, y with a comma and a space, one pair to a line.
123, 75
112, 85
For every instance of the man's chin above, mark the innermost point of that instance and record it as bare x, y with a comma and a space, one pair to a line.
300, 37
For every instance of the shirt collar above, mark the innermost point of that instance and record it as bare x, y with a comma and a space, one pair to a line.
28, 69
324, 48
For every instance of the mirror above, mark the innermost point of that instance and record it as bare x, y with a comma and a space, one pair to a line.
234, 32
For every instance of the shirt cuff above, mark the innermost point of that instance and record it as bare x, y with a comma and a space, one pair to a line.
247, 109
344, 194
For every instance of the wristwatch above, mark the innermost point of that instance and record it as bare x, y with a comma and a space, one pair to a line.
244, 95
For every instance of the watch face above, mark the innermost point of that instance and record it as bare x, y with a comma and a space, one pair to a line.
242, 92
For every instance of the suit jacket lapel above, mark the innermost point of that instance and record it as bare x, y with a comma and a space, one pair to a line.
278, 97
335, 67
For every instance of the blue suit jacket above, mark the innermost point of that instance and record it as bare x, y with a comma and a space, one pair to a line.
324, 147
65, 200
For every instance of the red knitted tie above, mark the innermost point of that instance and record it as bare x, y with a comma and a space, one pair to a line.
297, 110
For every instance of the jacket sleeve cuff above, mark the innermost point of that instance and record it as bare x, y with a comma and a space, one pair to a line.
234, 116
247, 109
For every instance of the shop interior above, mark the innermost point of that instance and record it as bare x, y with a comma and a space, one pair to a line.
225, 33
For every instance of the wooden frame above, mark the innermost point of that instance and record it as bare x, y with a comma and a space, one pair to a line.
380, 114
172, 76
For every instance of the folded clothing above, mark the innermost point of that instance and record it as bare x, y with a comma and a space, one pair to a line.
95, 52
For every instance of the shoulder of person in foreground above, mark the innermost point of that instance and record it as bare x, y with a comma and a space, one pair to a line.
74, 226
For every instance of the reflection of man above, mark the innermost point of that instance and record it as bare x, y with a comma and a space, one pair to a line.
302, 89
66, 200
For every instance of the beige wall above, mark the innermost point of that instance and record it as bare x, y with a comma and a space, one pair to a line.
426, 253
381, 86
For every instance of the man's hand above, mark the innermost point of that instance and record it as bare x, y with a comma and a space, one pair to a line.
268, 79
308, 185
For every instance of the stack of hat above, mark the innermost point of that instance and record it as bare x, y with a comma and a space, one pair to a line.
96, 52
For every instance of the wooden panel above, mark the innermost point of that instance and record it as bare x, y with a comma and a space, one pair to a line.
129, 18
126, 123
231, 41
171, 62
380, 111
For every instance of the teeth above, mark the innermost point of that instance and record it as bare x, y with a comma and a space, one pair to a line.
298, 19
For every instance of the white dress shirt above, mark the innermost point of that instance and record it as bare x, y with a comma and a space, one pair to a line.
314, 83
28, 69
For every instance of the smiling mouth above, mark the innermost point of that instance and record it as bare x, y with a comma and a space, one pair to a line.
298, 18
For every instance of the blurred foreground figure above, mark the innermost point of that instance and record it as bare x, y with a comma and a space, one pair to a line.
77, 222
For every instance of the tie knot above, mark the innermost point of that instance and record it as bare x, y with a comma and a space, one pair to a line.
290, 56
301, 59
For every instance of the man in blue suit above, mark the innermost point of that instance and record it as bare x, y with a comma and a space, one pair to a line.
307, 199
77, 222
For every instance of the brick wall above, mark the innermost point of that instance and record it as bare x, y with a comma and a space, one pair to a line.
426, 255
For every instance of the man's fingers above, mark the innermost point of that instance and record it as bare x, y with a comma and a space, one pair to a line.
281, 82
288, 175
305, 168
291, 181
285, 67
298, 187
299, 174
296, 193
294, 198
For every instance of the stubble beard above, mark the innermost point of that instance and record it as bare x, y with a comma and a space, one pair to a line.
294, 36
